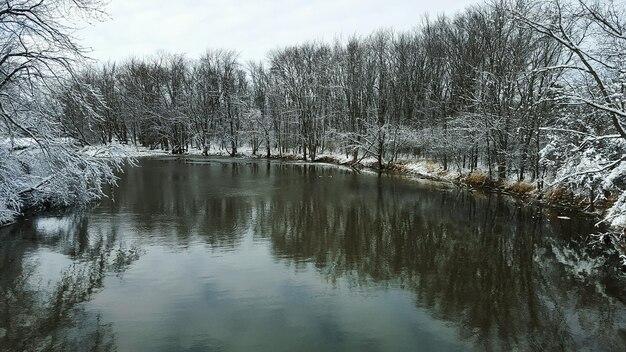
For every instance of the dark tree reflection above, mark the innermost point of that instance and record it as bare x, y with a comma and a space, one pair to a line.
41, 316
508, 275
494, 268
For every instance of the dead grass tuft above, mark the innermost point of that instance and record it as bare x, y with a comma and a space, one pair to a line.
327, 159
375, 165
399, 167
478, 179
521, 188
291, 157
432, 166
559, 195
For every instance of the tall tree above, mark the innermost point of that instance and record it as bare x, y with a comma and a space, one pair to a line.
39, 161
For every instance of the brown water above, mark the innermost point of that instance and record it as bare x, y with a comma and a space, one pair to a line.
232, 255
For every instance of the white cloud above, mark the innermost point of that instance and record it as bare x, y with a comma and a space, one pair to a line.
251, 27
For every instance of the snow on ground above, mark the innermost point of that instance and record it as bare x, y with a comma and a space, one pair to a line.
342, 158
432, 169
124, 150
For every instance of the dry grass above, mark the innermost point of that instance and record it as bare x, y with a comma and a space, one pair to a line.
440, 173
327, 159
399, 167
478, 179
374, 165
558, 196
521, 188
290, 157
432, 166
609, 200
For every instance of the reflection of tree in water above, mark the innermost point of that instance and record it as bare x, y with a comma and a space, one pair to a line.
37, 317
505, 276
481, 262
183, 203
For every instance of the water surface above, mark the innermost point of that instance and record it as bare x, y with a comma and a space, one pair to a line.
236, 255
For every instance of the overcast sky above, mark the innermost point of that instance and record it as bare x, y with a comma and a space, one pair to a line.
251, 27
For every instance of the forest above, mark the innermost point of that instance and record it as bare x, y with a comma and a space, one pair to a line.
516, 91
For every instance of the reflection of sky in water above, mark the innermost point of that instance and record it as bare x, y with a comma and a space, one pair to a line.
48, 267
249, 301
50, 226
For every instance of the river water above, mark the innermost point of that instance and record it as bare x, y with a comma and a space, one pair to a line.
240, 255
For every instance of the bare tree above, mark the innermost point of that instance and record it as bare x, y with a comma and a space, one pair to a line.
40, 163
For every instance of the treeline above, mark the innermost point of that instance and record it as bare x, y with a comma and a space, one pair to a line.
507, 88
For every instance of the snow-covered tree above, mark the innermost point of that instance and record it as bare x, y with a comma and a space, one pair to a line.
40, 161
587, 142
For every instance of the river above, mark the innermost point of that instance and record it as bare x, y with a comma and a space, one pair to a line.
253, 255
